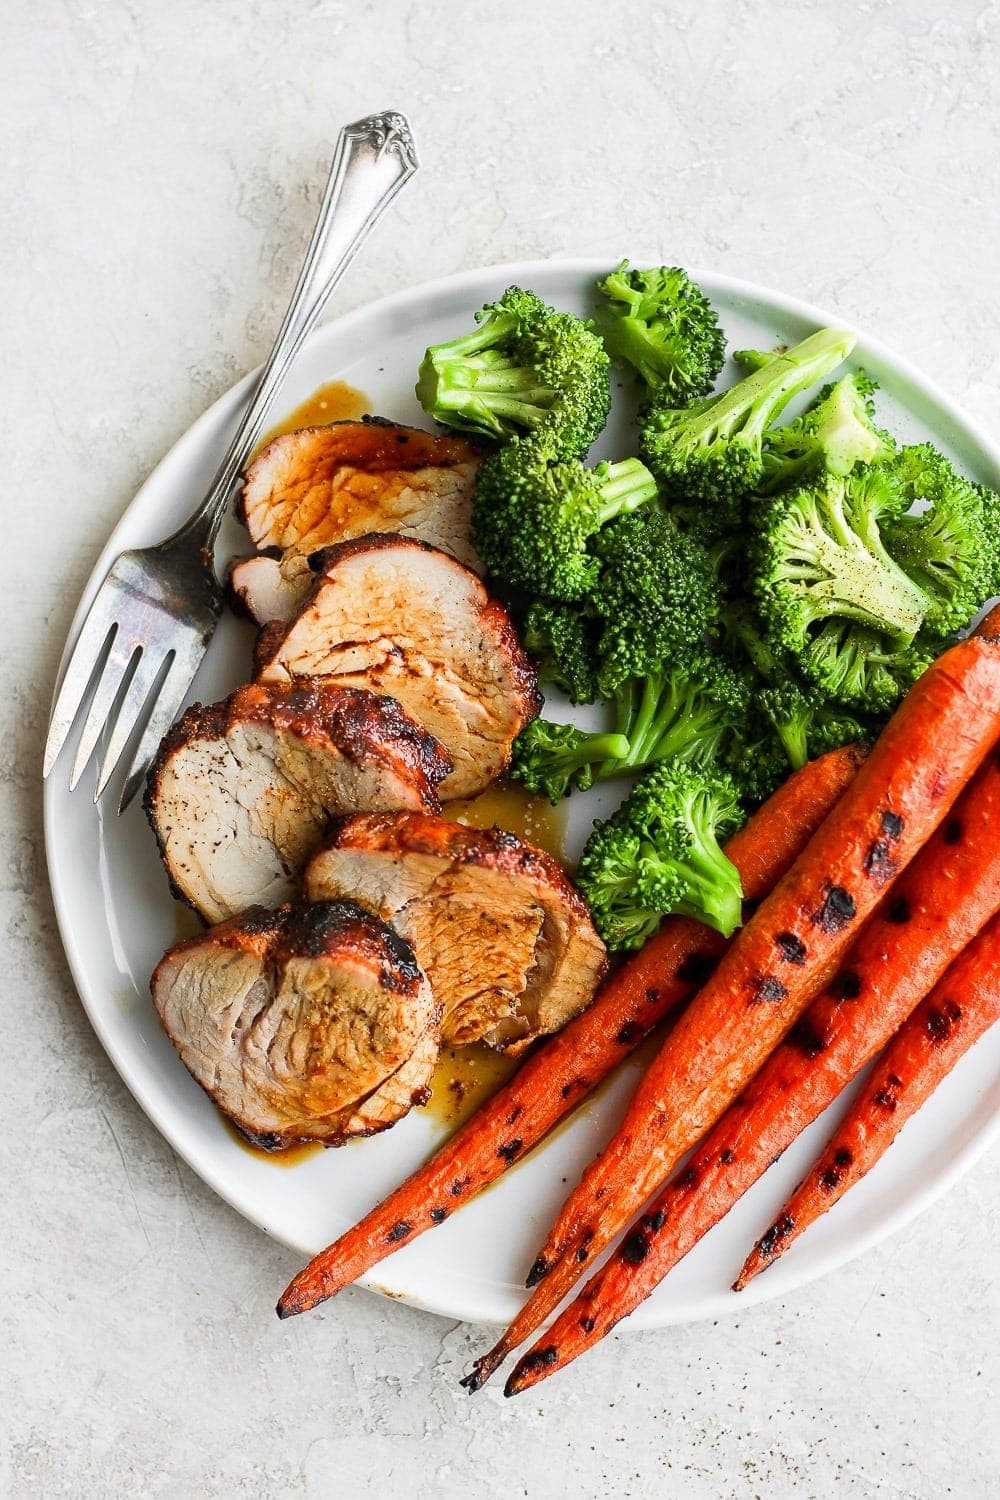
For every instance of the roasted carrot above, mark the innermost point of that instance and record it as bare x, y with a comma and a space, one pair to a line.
945, 897
777, 963
554, 1079
964, 1005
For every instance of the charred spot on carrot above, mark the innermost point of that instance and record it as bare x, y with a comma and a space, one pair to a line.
892, 824
805, 1038
634, 1248
793, 949
778, 1231
510, 1149
399, 1232
838, 910
537, 1273
767, 988
696, 968
846, 985
438, 1215
879, 863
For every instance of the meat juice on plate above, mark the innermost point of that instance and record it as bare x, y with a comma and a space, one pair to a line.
334, 401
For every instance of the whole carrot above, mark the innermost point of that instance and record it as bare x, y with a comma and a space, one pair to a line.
776, 964
940, 902
963, 1006
554, 1079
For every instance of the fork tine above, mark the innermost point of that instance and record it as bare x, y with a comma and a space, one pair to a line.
144, 679
101, 712
168, 702
88, 657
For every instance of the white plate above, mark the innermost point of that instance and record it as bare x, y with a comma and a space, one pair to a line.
116, 916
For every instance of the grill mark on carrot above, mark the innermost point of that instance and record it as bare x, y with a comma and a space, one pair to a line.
767, 988
793, 949
837, 911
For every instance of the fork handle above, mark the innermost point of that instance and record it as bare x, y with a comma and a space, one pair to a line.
375, 157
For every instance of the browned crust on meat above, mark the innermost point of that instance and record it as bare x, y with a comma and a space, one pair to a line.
426, 833
340, 929
359, 725
374, 444
528, 699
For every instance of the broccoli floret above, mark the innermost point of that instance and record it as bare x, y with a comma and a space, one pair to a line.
659, 854
664, 326
526, 368
563, 641
952, 550
800, 714
690, 712
835, 433
860, 667
550, 758
709, 455
819, 564
687, 710
532, 520
657, 595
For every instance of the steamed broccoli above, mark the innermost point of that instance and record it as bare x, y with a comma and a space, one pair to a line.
659, 853
526, 368
802, 717
552, 758
709, 455
657, 595
835, 433
663, 325
952, 550
820, 564
688, 712
563, 641
532, 520
861, 667
756, 359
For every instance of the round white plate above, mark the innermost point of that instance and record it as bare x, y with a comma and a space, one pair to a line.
116, 916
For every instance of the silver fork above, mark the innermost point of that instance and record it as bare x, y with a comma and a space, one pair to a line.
150, 623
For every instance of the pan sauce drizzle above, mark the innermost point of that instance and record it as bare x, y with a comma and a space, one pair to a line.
336, 401
507, 805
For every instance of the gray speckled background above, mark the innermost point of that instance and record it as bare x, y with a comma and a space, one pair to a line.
160, 165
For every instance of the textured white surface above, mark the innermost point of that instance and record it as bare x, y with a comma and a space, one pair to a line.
160, 171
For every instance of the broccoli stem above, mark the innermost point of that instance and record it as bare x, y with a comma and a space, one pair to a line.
755, 402
594, 747
624, 486
715, 893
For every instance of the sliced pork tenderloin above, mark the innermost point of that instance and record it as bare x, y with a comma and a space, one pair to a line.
302, 1023
243, 791
505, 939
405, 619
320, 485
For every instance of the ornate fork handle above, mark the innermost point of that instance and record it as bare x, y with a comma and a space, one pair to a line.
375, 157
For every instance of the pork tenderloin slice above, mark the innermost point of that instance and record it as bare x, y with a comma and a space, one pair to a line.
405, 619
243, 791
270, 588
320, 485
505, 939
303, 1023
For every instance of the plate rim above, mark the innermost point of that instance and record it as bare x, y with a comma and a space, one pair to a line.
225, 407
